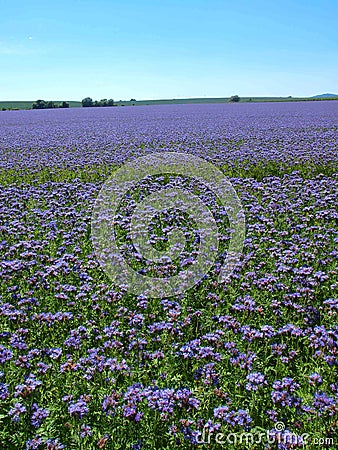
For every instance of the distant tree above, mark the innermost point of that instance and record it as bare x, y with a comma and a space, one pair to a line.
49, 105
234, 99
97, 103
86, 102
42, 104
3, 109
132, 100
39, 104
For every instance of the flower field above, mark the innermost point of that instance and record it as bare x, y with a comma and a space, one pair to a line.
86, 365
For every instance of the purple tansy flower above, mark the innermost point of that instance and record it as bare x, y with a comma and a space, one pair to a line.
54, 353
283, 390
38, 415
255, 380
34, 444
240, 417
332, 304
286, 439
85, 431
243, 360
184, 398
110, 403
220, 412
160, 399
322, 403
212, 427
5, 354
315, 378
286, 383
54, 444
16, 411
136, 320
131, 413
42, 367
78, 409
137, 446
31, 383
4, 392
277, 349
208, 373
272, 414
292, 330
334, 387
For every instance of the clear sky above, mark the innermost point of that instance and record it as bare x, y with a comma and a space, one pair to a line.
71, 49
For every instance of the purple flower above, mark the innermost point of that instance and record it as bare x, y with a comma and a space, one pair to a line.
208, 373
78, 409
4, 392
54, 444
110, 403
34, 444
315, 378
185, 399
85, 431
131, 413
322, 403
43, 368
16, 411
233, 418
220, 412
282, 393
212, 427
162, 400
5, 354
30, 385
54, 353
39, 414
255, 380
243, 360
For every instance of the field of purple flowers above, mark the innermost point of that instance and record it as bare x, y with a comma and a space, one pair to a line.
84, 365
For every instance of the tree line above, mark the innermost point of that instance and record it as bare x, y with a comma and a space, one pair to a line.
86, 102
89, 102
42, 104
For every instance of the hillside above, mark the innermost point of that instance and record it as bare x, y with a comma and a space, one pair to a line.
325, 96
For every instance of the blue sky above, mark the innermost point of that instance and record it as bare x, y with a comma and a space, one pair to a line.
167, 49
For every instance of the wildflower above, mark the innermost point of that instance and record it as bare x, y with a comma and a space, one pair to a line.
255, 380
78, 409
39, 414
315, 378
16, 411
